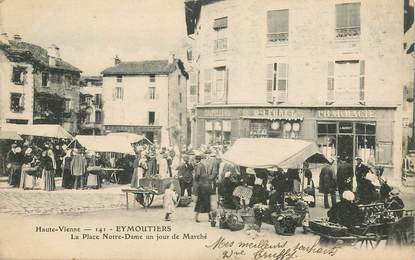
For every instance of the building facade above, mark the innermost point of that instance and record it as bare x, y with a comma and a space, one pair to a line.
91, 115
328, 71
147, 97
37, 86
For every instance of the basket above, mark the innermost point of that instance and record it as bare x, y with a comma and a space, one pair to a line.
284, 223
234, 222
184, 201
328, 228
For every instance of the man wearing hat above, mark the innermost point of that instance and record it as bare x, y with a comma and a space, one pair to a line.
394, 202
13, 165
203, 188
212, 166
344, 175
361, 171
327, 184
185, 174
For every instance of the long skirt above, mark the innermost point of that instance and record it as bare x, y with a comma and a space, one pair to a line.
14, 175
67, 179
26, 180
203, 199
137, 175
49, 180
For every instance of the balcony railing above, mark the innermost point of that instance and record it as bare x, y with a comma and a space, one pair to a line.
277, 37
348, 32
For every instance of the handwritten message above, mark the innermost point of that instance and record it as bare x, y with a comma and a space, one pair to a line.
265, 249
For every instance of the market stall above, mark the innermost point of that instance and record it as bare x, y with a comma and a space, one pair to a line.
51, 131
260, 157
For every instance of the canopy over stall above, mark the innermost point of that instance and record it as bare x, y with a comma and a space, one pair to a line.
273, 152
131, 137
53, 131
9, 135
104, 143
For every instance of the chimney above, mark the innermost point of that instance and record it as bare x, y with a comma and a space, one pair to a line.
4, 39
53, 53
171, 58
17, 38
117, 60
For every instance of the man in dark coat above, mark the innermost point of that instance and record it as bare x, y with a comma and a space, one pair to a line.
185, 174
279, 186
344, 176
327, 185
13, 160
212, 167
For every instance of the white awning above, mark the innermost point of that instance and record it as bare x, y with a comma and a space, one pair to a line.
273, 152
104, 143
54, 131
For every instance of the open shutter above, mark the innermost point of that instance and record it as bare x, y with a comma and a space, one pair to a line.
282, 82
208, 86
362, 81
330, 82
269, 86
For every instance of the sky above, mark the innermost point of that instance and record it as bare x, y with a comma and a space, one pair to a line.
90, 33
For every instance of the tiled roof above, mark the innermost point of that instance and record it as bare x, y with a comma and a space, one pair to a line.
39, 55
141, 68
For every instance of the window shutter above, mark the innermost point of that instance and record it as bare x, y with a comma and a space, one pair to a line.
330, 82
362, 81
269, 86
114, 93
21, 101
226, 85
208, 86
282, 82
220, 23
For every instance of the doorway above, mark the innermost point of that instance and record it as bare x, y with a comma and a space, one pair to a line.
345, 146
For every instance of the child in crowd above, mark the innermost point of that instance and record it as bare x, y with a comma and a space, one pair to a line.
169, 201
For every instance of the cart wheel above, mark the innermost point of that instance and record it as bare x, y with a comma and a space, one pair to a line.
147, 200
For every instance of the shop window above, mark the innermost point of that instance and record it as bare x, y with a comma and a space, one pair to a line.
347, 20
45, 79
17, 102
258, 129
218, 132
366, 141
277, 82
220, 26
19, 75
327, 139
277, 26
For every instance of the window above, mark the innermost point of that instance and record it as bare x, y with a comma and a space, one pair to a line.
19, 75
189, 55
277, 82
218, 132
98, 117
179, 79
119, 78
207, 85
152, 93
220, 84
67, 81
180, 119
347, 20
152, 78
277, 26
68, 105
220, 26
119, 93
180, 97
151, 118
346, 81
98, 100
45, 79
16, 102
193, 87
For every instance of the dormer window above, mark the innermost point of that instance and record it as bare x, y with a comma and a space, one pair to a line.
119, 78
152, 78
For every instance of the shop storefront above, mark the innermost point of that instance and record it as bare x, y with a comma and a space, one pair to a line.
340, 132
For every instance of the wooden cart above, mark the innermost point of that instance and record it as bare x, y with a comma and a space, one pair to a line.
150, 187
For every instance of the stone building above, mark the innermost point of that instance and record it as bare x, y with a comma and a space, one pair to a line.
90, 111
37, 86
147, 97
328, 71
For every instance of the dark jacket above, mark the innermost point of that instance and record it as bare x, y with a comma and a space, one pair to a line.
361, 171
346, 213
201, 178
185, 172
366, 192
345, 176
327, 183
46, 163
